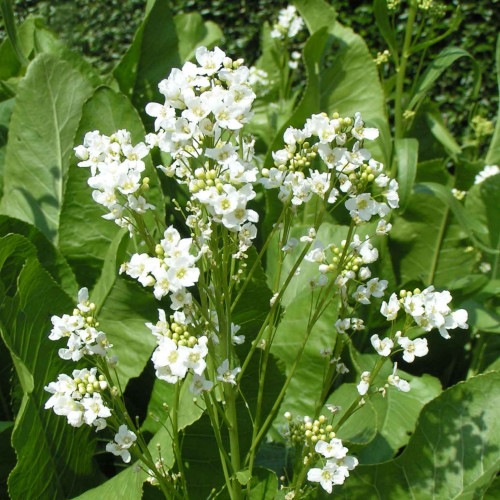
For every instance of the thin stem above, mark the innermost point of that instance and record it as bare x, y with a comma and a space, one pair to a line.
401, 73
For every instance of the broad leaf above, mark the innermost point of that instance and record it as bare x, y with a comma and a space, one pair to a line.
43, 124
454, 452
149, 59
427, 244
264, 484
193, 32
122, 317
304, 391
484, 212
493, 156
85, 235
55, 456
397, 415
48, 256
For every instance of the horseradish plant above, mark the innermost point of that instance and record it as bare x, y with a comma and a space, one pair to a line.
199, 274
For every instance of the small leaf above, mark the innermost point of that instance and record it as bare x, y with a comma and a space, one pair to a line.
243, 476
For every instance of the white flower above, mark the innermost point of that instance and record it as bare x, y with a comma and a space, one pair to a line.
485, 267
333, 449
124, 439
360, 132
487, 171
362, 206
200, 384
390, 310
290, 245
383, 347
227, 375
195, 358
383, 227
364, 385
94, 408
342, 325
412, 348
399, 383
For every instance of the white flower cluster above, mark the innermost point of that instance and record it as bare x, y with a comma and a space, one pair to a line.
337, 466
289, 23
179, 351
79, 398
488, 171
198, 125
80, 330
428, 308
124, 439
350, 171
171, 271
116, 167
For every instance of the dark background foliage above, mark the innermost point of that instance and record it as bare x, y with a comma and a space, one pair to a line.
102, 30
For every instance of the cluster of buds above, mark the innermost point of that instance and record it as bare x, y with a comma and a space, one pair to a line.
308, 431
177, 331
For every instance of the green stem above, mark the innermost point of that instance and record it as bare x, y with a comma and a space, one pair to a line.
225, 460
400, 76
175, 432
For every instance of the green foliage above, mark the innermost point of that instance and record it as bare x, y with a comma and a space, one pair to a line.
456, 438
58, 460
35, 175
53, 240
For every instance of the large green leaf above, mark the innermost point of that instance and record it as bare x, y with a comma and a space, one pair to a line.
309, 372
493, 155
351, 82
397, 415
85, 235
483, 209
362, 427
152, 54
317, 14
264, 484
48, 256
54, 459
193, 32
199, 448
127, 484
453, 453
427, 244
42, 127
47, 41
123, 316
